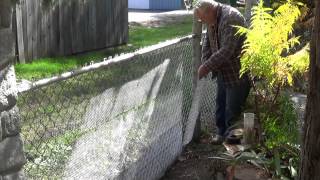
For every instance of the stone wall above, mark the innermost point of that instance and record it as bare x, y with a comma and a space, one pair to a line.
12, 157
7, 37
11, 149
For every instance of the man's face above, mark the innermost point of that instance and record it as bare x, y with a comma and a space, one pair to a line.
206, 16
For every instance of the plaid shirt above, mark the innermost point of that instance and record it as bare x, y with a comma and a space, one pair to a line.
221, 48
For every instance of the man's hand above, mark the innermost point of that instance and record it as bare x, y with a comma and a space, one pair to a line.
203, 71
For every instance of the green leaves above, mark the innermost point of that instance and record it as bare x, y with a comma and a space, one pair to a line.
265, 55
267, 38
299, 62
281, 127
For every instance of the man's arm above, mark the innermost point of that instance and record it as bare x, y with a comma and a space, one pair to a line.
206, 50
229, 44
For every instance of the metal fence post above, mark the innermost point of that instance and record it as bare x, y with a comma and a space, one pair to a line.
248, 8
196, 56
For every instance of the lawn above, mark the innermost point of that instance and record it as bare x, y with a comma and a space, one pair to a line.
139, 36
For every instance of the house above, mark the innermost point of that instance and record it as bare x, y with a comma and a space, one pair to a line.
156, 4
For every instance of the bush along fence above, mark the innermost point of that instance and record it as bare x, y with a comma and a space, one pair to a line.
124, 118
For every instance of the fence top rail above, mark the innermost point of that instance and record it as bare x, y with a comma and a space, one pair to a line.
26, 85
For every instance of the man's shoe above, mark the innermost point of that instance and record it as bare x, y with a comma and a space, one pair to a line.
234, 136
217, 140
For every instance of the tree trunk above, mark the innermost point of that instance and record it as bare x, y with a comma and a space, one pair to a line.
248, 8
310, 157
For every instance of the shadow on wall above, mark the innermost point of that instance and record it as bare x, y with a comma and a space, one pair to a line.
136, 144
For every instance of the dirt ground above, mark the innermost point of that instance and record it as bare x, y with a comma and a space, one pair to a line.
195, 163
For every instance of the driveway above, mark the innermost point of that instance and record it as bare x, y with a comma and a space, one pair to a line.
157, 18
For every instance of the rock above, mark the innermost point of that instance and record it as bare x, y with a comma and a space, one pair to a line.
7, 40
14, 176
11, 154
10, 121
182, 158
243, 172
8, 89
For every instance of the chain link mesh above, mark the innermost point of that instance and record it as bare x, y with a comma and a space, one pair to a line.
124, 121
208, 104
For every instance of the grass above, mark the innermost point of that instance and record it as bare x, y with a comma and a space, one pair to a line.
46, 159
139, 36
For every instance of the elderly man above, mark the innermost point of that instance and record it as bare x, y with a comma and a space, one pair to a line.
221, 51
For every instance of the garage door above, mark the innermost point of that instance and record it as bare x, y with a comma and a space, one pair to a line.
139, 4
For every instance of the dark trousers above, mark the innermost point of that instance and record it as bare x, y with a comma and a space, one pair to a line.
229, 103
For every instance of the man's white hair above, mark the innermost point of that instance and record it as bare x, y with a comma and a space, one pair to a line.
205, 4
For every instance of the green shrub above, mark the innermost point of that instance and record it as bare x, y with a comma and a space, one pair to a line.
266, 57
267, 39
299, 62
281, 126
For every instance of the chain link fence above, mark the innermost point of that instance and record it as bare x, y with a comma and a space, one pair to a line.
124, 118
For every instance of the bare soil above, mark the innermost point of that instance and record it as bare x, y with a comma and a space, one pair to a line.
195, 163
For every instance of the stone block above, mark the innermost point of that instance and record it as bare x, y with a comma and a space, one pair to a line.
11, 154
7, 49
8, 89
10, 122
14, 176
7, 36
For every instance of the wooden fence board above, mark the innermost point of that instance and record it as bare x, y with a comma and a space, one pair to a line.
65, 27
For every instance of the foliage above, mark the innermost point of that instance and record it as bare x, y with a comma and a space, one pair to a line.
265, 54
279, 154
266, 42
299, 62
282, 137
267, 57
277, 3
281, 126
